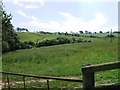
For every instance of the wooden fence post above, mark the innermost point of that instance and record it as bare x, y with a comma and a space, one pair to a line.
24, 82
88, 79
8, 81
48, 88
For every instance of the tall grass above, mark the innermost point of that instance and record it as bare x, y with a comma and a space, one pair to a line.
61, 60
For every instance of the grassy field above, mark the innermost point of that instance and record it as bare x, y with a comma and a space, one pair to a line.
30, 36
64, 60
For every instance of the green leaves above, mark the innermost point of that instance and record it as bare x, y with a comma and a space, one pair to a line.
10, 39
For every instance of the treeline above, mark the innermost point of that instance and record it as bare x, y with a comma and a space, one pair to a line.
56, 41
59, 40
59, 33
77, 34
18, 29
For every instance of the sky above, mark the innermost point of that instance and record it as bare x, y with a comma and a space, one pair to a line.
64, 15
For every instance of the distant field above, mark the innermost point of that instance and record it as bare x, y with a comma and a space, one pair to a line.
99, 35
29, 36
63, 60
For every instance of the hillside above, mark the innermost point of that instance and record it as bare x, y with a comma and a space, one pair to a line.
63, 60
31, 36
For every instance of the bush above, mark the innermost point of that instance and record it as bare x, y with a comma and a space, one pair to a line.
27, 45
44, 43
59, 40
89, 41
62, 40
111, 36
31, 43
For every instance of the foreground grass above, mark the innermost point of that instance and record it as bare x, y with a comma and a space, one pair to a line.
65, 60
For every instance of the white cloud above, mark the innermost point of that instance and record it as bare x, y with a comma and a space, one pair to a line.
29, 4
34, 18
70, 23
67, 15
50, 25
76, 23
17, 3
22, 13
98, 21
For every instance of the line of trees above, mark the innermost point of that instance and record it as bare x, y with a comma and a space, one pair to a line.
88, 32
100, 32
75, 34
18, 29
59, 33
56, 41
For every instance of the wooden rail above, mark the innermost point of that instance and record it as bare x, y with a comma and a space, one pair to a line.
35, 76
89, 70
42, 77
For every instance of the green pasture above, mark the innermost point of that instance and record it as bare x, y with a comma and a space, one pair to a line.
65, 60
31, 36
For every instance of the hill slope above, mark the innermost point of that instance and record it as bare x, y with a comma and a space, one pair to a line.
64, 60
31, 36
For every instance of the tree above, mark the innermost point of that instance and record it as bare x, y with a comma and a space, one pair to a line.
21, 29
86, 32
27, 30
95, 32
66, 33
18, 29
90, 32
81, 32
10, 40
100, 32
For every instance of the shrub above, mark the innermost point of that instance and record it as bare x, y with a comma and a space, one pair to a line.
89, 41
27, 45
62, 40
110, 36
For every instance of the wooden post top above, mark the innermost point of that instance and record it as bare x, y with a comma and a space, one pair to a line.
101, 67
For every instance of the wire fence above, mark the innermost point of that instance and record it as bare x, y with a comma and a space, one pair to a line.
25, 83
